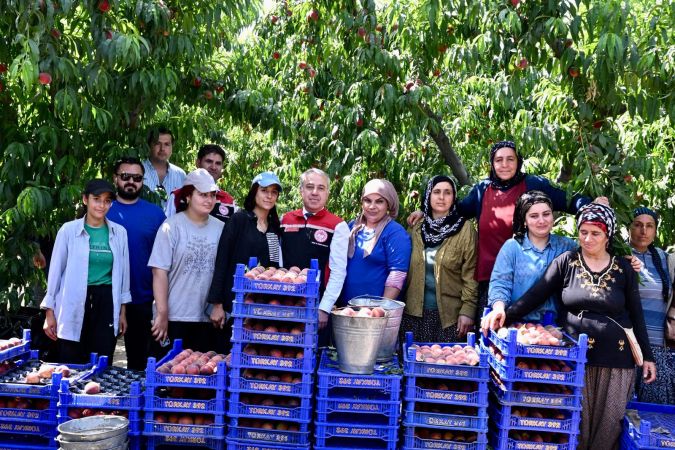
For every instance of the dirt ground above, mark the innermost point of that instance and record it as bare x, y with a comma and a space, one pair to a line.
120, 357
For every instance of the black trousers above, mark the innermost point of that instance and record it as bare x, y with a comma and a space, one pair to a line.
138, 337
98, 329
195, 336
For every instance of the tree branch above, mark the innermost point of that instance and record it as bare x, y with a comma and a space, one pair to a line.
443, 142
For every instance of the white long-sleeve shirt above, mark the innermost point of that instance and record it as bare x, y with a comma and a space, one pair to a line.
68, 270
337, 261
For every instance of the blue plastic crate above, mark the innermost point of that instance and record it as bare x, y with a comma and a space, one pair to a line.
572, 350
132, 401
26, 442
307, 338
503, 416
213, 406
652, 417
308, 289
305, 364
360, 428
152, 428
509, 394
413, 442
17, 350
240, 383
390, 410
477, 398
306, 313
247, 433
384, 379
465, 372
343, 443
31, 428
258, 445
34, 414
154, 378
508, 371
159, 441
43, 390
477, 422
237, 407
500, 440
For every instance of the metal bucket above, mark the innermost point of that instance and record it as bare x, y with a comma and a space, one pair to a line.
357, 340
115, 443
93, 429
390, 338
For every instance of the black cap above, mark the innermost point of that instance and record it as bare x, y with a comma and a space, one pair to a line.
98, 186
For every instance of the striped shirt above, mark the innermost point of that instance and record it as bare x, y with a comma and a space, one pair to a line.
173, 180
651, 294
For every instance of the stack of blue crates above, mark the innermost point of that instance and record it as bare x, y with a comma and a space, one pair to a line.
445, 403
72, 402
210, 409
648, 426
535, 402
28, 411
274, 339
357, 411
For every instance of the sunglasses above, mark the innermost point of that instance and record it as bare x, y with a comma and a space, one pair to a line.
127, 176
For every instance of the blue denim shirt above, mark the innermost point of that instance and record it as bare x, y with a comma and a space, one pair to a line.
518, 267
67, 280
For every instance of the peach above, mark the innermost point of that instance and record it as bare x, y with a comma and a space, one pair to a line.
378, 312
92, 388
364, 312
33, 378
186, 420
348, 312
178, 370
46, 371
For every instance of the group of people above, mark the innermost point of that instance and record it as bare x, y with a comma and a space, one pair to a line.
155, 275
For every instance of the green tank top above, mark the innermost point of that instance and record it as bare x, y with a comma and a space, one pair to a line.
100, 256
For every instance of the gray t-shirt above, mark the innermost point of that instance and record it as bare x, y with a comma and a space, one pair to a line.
188, 252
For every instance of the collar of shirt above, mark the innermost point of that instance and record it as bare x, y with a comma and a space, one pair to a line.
527, 244
81, 230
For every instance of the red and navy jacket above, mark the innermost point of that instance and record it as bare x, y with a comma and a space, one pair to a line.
223, 209
307, 239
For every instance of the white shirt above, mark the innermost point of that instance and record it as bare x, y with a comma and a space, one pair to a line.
173, 180
337, 261
68, 270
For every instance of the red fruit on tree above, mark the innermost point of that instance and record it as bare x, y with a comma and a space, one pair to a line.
628, 178
409, 85
55, 33
313, 15
378, 28
274, 19
104, 6
311, 72
522, 64
219, 88
276, 55
442, 48
3, 67
108, 34
514, 3
437, 72
44, 78
361, 32
302, 65
573, 71
359, 122
196, 82
598, 124
289, 13
208, 95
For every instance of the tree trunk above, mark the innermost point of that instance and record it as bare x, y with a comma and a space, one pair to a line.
449, 155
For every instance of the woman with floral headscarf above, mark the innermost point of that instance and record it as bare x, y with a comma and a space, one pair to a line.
492, 202
379, 248
656, 296
599, 296
442, 293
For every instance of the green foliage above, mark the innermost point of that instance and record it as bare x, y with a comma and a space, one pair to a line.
361, 88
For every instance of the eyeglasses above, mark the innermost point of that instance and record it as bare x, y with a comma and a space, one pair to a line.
127, 176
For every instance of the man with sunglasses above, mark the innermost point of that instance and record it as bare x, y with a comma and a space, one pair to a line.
160, 176
141, 219
312, 232
210, 157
